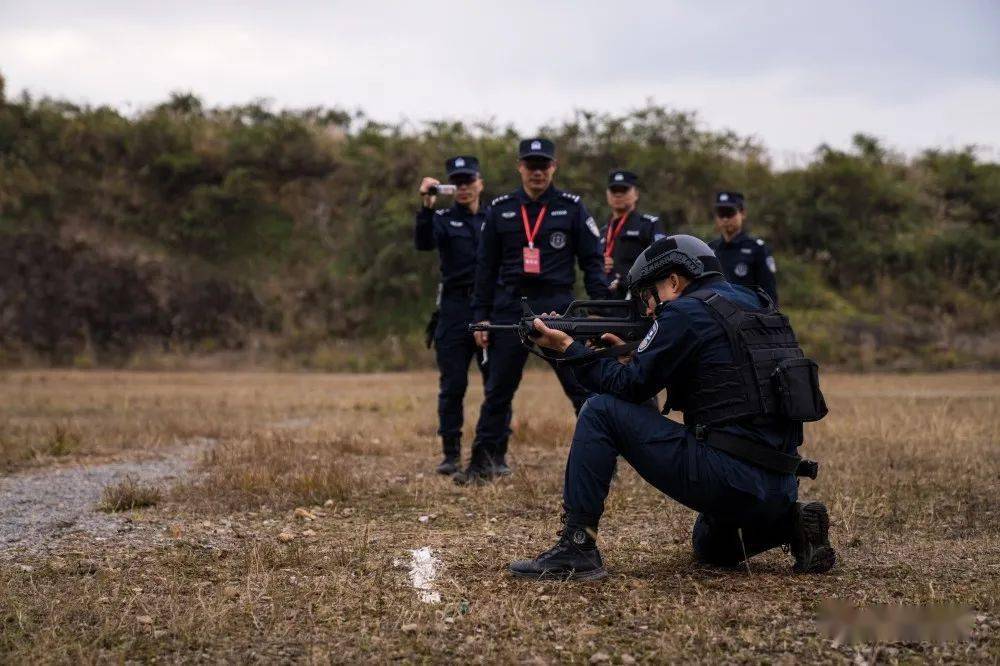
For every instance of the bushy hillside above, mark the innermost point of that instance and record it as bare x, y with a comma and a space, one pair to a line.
287, 235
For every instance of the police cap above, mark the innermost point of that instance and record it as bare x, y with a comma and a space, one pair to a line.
683, 254
729, 200
622, 177
462, 165
537, 147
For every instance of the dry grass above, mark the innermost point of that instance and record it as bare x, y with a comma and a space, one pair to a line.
129, 494
910, 471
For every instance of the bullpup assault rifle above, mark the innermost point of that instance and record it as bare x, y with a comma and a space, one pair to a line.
586, 321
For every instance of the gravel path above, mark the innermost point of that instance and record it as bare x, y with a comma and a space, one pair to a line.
38, 508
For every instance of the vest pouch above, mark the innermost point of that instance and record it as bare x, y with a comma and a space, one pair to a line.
796, 383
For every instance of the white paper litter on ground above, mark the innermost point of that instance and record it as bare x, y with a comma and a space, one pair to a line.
423, 569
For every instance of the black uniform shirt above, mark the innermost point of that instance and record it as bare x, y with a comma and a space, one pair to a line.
638, 232
455, 233
567, 232
747, 261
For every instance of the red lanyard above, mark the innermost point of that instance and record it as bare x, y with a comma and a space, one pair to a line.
613, 231
538, 224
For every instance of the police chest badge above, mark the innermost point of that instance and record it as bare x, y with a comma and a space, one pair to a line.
649, 336
456, 223
557, 240
741, 269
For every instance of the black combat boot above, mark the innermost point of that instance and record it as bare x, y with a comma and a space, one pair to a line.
811, 538
499, 456
480, 470
501, 468
574, 557
452, 462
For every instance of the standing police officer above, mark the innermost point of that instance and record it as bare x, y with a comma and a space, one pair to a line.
628, 232
454, 232
530, 241
734, 459
746, 260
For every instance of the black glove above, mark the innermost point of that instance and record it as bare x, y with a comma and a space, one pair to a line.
431, 328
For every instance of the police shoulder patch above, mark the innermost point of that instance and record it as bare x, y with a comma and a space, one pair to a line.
649, 336
575, 198
760, 241
502, 197
593, 227
441, 211
651, 218
771, 265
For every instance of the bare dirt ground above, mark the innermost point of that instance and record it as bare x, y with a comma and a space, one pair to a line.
301, 521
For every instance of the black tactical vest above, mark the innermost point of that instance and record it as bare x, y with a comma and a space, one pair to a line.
770, 376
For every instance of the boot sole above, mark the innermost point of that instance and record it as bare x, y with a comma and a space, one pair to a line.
814, 525
593, 574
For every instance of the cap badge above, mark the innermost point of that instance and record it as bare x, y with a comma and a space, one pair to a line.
536, 145
459, 162
723, 197
619, 176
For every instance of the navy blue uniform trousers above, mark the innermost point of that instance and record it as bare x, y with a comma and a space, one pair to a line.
507, 357
455, 348
731, 496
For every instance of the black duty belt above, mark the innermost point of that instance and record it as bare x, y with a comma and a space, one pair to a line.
757, 454
458, 291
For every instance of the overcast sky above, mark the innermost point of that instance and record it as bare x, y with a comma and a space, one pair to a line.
793, 74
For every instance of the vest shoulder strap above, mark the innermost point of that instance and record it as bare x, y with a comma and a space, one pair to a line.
719, 305
727, 308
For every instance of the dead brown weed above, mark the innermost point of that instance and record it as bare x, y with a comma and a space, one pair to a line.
129, 494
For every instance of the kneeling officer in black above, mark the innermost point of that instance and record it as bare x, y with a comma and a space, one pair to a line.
454, 232
734, 458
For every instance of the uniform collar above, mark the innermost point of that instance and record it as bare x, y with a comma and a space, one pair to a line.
547, 195
632, 213
462, 210
736, 239
701, 283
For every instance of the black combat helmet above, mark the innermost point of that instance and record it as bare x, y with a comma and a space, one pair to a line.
686, 255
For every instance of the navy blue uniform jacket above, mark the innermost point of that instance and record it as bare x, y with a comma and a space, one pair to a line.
567, 233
